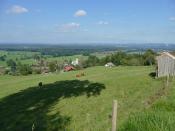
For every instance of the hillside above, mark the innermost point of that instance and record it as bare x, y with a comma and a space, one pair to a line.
67, 102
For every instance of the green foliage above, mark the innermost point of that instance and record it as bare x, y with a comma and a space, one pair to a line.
36, 57
122, 58
11, 63
52, 66
3, 58
91, 61
24, 69
149, 57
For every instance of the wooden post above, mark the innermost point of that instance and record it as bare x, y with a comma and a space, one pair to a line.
167, 81
114, 116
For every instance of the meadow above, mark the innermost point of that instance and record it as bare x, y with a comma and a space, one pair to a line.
27, 57
65, 102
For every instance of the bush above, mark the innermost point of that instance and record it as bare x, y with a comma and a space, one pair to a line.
25, 69
52, 66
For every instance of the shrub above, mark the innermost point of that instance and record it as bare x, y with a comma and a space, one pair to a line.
25, 69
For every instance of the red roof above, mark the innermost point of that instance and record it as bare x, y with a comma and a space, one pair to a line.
68, 68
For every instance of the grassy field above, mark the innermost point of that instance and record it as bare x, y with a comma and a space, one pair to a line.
27, 57
83, 104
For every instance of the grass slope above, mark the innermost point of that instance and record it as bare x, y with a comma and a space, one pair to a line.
68, 103
159, 117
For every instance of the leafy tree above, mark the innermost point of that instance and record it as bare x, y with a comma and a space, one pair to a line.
25, 69
92, 60
118, 58
11, 63
149, 57
36, 57
3, 58
52, 66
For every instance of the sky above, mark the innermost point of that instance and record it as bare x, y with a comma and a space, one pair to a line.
87, 21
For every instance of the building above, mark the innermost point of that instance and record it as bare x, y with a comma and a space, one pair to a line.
166, 64
68, 68
110, 64
76, 62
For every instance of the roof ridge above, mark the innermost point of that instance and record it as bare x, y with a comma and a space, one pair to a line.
169, 54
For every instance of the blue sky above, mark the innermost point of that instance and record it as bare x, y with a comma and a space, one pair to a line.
87, 21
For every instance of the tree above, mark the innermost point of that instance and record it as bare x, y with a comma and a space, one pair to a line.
52, 66
118, 58
92, 60
149, 57
36, 57
12, 65
2, 58
25, 69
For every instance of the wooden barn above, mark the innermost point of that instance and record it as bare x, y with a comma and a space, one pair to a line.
166, 64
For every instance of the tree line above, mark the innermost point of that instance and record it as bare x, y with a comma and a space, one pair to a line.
122, 58
119, 58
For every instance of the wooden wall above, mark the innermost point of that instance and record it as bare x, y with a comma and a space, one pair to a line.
166, 65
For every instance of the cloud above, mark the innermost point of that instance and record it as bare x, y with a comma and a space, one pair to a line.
172, 18
16, 9
103, 23
80, 13
69, 27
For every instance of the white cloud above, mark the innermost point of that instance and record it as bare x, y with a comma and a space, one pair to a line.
172, 18
16, 9
69, 27
80, 13
103, 23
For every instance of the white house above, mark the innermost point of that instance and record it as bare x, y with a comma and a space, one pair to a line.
110, 64
75, 62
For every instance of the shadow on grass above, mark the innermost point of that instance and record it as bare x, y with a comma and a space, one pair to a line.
152, 75
18, 112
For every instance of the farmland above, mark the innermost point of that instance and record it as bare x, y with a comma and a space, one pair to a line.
26, 57
69, 103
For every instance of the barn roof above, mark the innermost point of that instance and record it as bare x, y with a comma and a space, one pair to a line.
170, 54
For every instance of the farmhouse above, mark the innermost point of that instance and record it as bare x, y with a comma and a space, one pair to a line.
110, 64
166, 64
68, 68
76, 62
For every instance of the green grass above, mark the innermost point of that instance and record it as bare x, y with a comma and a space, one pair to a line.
159, 117
68, 103
20, 55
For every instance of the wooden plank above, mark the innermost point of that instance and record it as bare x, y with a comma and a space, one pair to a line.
114, 116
